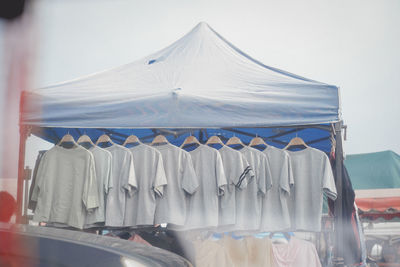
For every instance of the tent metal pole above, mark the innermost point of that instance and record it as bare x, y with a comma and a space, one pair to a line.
24, 133
339, 260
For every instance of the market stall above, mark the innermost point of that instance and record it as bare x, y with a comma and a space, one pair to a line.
201, 85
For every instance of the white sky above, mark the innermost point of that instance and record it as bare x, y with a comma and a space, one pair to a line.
352, 44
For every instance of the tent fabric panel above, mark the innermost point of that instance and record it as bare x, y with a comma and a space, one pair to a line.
371, 205
201, 80
374, 170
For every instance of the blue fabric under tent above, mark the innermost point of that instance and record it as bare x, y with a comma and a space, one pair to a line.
317, 136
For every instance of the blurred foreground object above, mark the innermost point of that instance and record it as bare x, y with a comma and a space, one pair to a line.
11, 9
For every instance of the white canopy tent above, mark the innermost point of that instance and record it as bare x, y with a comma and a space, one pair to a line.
201, 80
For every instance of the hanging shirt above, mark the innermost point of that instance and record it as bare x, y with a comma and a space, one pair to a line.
275, 211
102, 160
249, 200
124, 182
66, 186
237, 172
182, 182
150, 175
312, 175
203, 208
296, 252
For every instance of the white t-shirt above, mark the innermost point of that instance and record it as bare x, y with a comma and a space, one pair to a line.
150, 175
275, 211
203, 207
66, 186
102, 160
182, 182
238, 172
124, 182
249, 200
312, 175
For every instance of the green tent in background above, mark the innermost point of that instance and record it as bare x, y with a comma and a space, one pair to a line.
377, 170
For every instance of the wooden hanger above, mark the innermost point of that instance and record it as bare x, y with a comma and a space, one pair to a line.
131, 139
234, 141
67, 138
257, 141
296, 141
159, 139
85, 139
190, 140
104, 139
214, 140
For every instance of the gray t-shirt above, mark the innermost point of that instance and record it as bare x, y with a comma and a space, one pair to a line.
150, 175
124, 182
182, 182
312, 175
102, 160
238, 172
66, 186
203, 207
275, 212
248, 201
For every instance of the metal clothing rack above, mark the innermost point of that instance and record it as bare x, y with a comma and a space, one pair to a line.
334, 132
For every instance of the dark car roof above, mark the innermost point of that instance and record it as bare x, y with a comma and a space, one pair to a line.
58, 247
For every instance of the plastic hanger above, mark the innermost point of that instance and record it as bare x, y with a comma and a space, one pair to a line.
296, 141
104, 139
214, 140
257, 141
191, 139
159, 139
281, 237
67, 138
85, 139
131, 139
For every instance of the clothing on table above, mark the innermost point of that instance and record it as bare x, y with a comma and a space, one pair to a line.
182, 182
66, 186
296, 252
275, 211
249, 200
203, 205
150, 175
211, 253
248, 251
238, 172
32, 203
103, 168
124, 182
312, 175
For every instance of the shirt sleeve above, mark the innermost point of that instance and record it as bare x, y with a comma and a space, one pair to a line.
39, 178
220, 174
108, 184
90, 195
328, 182
129, 176
264, 175
286, 174
190, 182
244, 171
160, 179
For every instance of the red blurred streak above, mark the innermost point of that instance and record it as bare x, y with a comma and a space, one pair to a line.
18, 48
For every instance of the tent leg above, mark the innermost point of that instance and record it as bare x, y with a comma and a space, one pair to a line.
338, 259
21, 172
